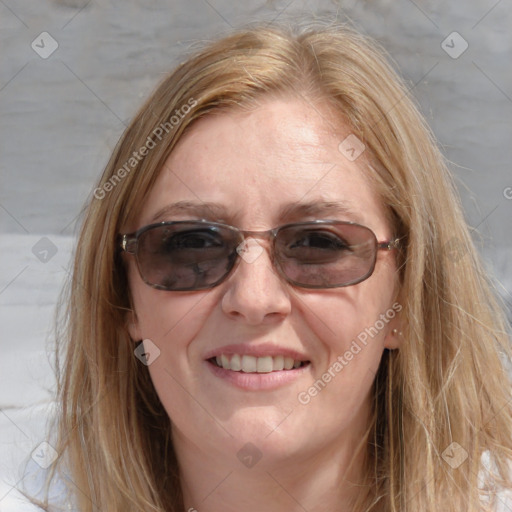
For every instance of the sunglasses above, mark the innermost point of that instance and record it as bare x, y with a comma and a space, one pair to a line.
197, 255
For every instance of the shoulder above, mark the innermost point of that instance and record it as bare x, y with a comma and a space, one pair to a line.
500, 498
36, 488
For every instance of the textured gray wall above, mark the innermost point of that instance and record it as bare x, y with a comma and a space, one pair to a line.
61, 116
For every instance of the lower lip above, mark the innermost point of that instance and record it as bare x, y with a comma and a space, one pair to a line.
257, 381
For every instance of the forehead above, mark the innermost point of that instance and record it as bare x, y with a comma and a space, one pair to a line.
256, 164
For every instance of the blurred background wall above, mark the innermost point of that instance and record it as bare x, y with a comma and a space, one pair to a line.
61, 115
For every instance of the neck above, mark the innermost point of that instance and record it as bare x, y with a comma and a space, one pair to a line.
329, 479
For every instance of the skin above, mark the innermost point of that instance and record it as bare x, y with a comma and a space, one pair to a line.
252, 163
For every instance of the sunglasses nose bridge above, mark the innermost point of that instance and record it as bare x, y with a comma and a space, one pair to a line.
249, 249
268, 235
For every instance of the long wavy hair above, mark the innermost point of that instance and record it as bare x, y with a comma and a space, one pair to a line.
447, 383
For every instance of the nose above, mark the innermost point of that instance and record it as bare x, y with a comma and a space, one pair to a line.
255, 291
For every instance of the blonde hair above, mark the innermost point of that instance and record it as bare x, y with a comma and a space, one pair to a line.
446, 383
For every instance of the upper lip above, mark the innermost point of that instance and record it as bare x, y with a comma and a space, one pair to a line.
256, 350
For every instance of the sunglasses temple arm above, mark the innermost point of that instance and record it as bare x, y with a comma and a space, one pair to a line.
392, 244
128, 244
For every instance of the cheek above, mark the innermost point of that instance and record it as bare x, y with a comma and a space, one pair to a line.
168, 319
340, 388
351, 325
165, 317
172, 321
352, 314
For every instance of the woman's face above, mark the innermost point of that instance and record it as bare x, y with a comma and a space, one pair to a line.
253, 166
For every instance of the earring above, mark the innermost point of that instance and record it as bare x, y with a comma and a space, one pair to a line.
396, 331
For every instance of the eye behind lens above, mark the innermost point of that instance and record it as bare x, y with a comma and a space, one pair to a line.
186, 258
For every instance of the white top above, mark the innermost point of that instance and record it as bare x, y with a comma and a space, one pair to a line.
503, 496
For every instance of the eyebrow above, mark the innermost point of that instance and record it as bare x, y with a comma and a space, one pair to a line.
319, 209
288, 212
205, 210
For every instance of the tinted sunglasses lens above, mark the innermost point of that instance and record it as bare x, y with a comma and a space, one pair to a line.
326, 256
186, 256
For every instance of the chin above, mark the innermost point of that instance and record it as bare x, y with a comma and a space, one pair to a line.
275, 439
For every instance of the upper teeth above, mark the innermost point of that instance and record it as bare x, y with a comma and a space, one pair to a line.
251, 364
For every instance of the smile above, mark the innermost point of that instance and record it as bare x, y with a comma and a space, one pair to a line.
251, 364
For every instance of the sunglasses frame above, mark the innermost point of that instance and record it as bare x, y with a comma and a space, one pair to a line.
129, 243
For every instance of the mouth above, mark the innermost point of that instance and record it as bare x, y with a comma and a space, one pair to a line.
257, 373
252, 364
264, 366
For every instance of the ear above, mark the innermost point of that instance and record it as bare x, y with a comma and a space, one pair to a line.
132, 324
394, 338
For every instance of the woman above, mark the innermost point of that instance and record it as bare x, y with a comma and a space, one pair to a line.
276, 303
